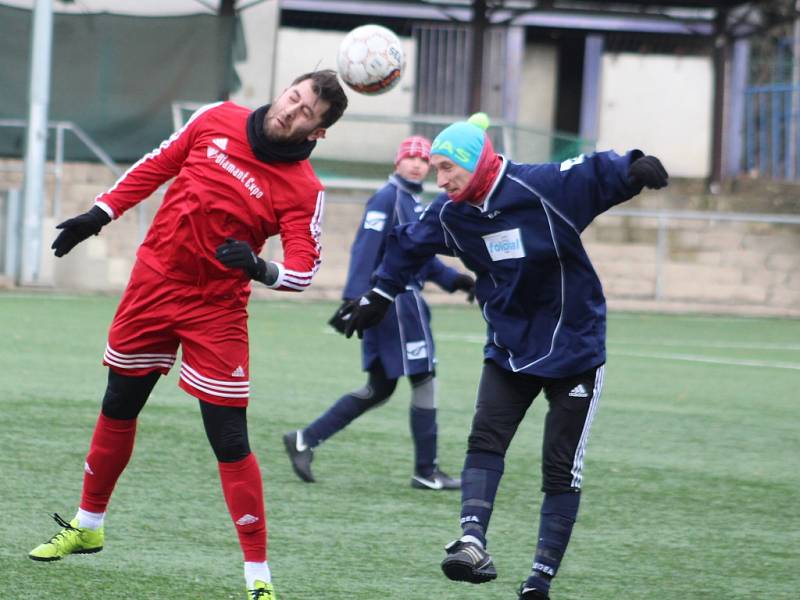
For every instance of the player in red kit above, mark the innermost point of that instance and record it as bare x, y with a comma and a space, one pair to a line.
240, 177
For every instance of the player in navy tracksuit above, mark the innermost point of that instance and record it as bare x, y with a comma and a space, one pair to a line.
401, 344
517, 227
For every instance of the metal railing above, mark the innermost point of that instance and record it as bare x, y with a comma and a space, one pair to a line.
57, 168
61, 127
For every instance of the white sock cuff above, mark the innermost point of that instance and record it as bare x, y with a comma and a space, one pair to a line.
90, 520
256, 571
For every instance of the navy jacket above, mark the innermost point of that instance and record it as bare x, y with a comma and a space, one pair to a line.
538, 291
402, 342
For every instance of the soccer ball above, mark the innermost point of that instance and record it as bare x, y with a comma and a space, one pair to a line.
371, 60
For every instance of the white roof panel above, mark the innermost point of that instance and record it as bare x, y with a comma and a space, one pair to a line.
152, 8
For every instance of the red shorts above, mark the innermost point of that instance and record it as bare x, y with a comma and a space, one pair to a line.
156, 315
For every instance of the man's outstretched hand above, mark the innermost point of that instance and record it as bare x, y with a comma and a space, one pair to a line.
77, 229
649, 172
367, 311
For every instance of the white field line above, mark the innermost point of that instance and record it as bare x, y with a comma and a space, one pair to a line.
479, 339
706, 344
695, 318
761, 364
739, 362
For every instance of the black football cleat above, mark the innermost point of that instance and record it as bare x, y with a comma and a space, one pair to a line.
300, 455
467, 561
435, 481
528, 592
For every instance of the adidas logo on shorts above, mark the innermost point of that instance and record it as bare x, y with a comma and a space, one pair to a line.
579, 392
238, 372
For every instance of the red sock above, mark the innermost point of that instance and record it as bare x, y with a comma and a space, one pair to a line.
109, 452
244, 495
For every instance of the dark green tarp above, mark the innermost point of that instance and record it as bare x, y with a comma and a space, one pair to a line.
115, 76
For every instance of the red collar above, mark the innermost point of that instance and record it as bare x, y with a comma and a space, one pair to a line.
483, 178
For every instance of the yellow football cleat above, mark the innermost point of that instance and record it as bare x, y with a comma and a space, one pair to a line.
70, 540
262, 591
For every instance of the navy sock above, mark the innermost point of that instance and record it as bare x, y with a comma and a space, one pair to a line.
337, 417
479, 481
423, 430
558, 515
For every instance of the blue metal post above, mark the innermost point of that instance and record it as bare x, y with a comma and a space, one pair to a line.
763, 136
788, 163
775, 138
590, 98
736, 123
750, 145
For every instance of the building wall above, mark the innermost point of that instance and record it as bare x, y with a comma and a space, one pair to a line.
537, 88
260, 25
661, 104
537, 103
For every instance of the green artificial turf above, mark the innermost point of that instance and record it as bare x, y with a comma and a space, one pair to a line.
691, 485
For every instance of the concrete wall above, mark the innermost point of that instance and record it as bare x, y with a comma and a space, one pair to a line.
537, 91
711, 266
260, 25
661, 104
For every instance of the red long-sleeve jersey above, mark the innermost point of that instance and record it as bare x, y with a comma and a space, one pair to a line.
221, 190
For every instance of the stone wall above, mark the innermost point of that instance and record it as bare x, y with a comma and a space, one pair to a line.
711, 266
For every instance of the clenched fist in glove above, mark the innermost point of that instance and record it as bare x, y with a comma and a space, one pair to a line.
77, 229
649, 172
367, 311
239, 255
465, 283
339, 319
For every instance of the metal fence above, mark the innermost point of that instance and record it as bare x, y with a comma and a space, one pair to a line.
772, 131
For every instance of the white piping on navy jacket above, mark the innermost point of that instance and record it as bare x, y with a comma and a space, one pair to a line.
547, 207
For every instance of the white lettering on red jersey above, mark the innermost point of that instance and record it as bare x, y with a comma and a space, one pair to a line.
221, 190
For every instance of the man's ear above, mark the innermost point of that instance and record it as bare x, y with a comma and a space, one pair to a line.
317, 134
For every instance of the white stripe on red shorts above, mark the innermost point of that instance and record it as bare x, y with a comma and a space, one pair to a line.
214, 387
137, 361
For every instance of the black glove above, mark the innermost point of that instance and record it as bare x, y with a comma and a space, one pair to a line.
367, 311
465, 283
77, 229
649, 172
239, 255
339, 319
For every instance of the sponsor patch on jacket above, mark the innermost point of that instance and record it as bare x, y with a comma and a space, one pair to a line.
416, 350
375, 220
504, 244
571, 162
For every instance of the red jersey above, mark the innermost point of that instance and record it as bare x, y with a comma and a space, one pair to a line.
221, 190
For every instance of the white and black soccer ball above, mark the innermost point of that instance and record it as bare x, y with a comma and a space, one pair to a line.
371, 59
